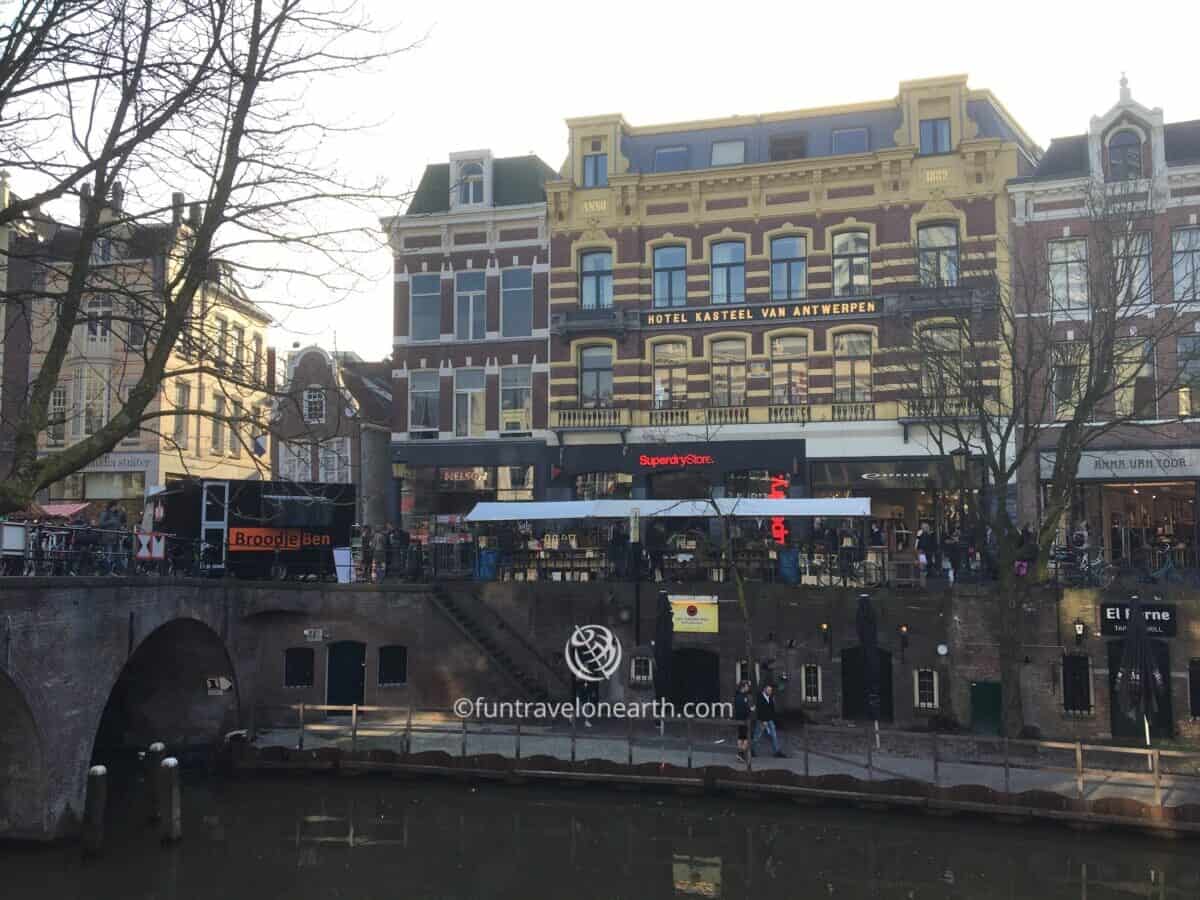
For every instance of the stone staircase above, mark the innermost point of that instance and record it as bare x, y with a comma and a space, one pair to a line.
517, 670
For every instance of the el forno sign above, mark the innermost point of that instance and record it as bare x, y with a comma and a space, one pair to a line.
1160, 619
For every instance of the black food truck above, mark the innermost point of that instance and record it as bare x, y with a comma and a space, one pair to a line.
255, 529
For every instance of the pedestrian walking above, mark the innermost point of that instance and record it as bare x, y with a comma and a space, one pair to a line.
367, 552
741, 712
765, 724
379, 547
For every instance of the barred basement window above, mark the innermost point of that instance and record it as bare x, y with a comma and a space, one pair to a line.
641, 670
925, 689
1077, 685
393, 666
810, 683
298, 667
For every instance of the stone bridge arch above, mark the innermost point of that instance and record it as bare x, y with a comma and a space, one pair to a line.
23, 782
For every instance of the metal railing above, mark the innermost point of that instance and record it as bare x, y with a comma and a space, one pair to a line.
597, 418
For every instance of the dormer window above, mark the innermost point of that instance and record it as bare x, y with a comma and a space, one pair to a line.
470, 184
1124, 156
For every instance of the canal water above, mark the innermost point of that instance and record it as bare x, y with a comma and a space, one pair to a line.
376, 837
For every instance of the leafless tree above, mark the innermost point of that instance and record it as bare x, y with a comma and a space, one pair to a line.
120, 103
1079, 345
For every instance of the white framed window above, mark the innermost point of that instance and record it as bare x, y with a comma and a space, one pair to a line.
470, 306
925, 689
239, 350
741, 672
850, 140
424, 394
516, 400
333, 461
99, 320
183, 401
237, 429
469, 414
295, 461
314, 405
641, 669
257, 360
90, 388
811, 688
56, 425
516, 302
425, 308
222, 347
218, 425
728, 153
470, 184
1131, 257
1068, 264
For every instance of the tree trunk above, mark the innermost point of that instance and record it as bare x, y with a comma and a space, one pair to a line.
1013, 591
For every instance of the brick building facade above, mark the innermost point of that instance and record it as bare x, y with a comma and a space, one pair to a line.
751, 286
470, 377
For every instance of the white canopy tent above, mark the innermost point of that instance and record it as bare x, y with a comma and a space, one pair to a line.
741, 508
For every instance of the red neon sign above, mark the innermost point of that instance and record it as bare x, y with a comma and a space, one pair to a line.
779, 529
675, 460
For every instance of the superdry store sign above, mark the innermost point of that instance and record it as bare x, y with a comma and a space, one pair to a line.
674, 460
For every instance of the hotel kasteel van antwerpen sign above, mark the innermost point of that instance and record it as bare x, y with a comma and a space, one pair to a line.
773, 312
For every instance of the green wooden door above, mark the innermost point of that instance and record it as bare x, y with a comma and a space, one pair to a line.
985, 707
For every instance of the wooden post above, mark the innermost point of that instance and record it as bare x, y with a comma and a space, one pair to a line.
688, 728
170, 813
93, 810
804, 733
629, 732
300, 740
870, 756
354, 728
1156, 762
1079, 768
154, 756
518, 755
464, 737
1007, 773
935, 760
408, 732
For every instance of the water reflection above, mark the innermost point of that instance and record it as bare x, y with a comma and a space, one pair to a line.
368, 837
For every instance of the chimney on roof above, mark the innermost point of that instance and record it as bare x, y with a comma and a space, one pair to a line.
85, 200
195, 214
118, 197
177, 201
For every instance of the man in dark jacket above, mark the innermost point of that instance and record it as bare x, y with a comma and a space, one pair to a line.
741, 712
765, 713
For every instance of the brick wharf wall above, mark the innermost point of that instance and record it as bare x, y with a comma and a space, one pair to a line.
465, 248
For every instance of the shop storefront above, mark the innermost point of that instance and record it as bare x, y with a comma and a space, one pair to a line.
114, 476
1137, 506
907, 494
438, 485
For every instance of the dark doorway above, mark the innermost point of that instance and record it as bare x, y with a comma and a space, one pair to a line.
347, 673
695, 676
1162, 724
985, 707
854, 684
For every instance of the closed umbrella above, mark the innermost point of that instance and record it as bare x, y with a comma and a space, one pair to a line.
868, 639
1140, 680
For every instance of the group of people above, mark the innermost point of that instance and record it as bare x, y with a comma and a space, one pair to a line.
764, 719
384, 553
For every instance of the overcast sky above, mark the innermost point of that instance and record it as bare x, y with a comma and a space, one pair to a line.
506, 75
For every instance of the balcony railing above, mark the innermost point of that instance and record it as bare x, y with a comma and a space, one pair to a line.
727, 415
602, 319
667, 418
790, 415
590, 419
853, 412
928, 408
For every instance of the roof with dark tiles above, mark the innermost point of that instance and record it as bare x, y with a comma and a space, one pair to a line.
516, 180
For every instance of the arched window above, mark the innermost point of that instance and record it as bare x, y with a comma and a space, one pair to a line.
596, 280
470, 184
789, 268
670, 375
670, 276
595, 377
727, 382
1124, 156
729, 272
852, 367
789, 370
851, 264
937, 254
